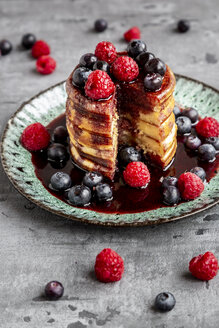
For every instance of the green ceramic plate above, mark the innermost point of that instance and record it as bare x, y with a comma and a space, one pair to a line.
49, 104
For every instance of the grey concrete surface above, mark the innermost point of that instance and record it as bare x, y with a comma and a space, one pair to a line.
36, 246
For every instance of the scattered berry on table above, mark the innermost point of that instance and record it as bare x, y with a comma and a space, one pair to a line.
183, 25
57, 152
5, 47
193, 142
204, 266
135, 47
91, 179
208, 127
45, 65
100, 25
207, 152
102, 65
125, 69
40, 48
106, 51
128, 155
190, 186
80, 76
171, 195
103, 192
54, 290
60, 181
200, 172
155, 65
169, 181
109, 266
79, 195
28, 40
60, 134
214, 141
136, 174
143, 58
184, 125
88, 60
191, 113
165, 302
35, 137
133, 33
99, 85
153, 82
177, 112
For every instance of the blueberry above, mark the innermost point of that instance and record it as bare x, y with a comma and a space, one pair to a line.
5, 47
54, 290
88, 60
79, 195
183, 25
169, 181
176, 111
100, 25
57, 152
143, 58
165, 301
200, 172
184, 125
193, 142
102, 65
91, 179
60, 181
80, 76
153, 82
171, 195
207, 152
129, 154
60, 134
135, 47
28, 40
191, 113
214, 141
155, 65
103, 192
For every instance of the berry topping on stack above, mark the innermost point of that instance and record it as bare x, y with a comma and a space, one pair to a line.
88, 60
136, 47
80, 76
99, 85
125, 69
106, 51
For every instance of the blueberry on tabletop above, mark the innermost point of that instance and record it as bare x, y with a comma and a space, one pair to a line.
191, 113
135, 47
60, 181
200, 172
214, 141
171, 195
153, 82
88, 60
155, 65
103, 192
54, 290
102, 65
143, 58
57, 152
79, 195
100, 25
207, 152
128, 155
177, 112
183, 25
169, 181
28, 40
80, 76
193, 142
165, 301
5, 47
91, 179
184, 125
60, 134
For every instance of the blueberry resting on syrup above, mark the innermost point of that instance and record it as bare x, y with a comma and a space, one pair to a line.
214, 141
171, 195
100, 25
79, 195
191, 113
60, 181
80, 76
206, 152
193, 142
57, 153
165, 301
91, 179
184, 125
169, 181
177, 112
153, 82
200, 172
5, 47
88, 60
54, 290
128, 155
183, 25
155, 65
60, 134
102, 65
28, 40
135, 47
103, 192
143, 58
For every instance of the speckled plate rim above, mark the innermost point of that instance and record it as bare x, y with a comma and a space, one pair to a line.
81, 217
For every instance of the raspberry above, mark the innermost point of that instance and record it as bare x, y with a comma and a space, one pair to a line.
132, 33
190, 186
106, 51
136, 174
35, 137
204, 266
208, 127
99, 85
109, 266
40, 48
125, 69
45, 65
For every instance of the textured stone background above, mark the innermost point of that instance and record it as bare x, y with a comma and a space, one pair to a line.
36, 246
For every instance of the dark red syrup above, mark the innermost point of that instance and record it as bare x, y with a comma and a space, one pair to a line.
125, 198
